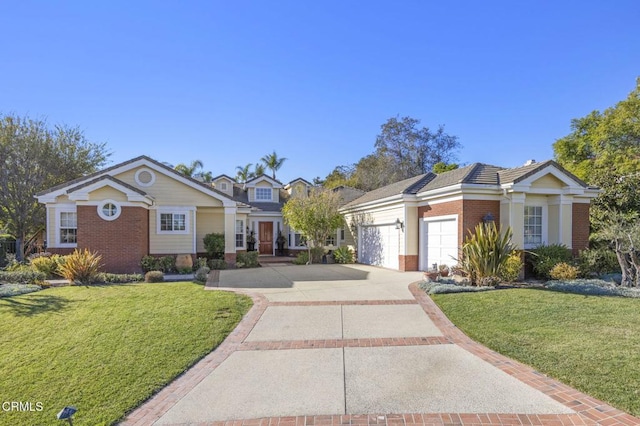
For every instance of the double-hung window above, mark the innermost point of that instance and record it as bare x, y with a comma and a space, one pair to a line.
532, 226
239, 233
263, 194
68, 228
173, 222
296, 239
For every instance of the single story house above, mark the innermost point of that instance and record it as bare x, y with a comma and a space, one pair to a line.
422, 221
143, 207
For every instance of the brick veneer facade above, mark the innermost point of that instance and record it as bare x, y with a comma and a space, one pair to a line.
408, 262
121, 242
579, 227
470, 213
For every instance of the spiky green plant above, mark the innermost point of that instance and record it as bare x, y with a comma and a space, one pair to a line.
81, 266
485, 252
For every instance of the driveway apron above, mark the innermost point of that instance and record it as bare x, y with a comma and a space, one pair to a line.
336, 344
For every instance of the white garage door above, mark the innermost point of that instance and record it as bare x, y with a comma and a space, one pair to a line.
439, 242
379, 245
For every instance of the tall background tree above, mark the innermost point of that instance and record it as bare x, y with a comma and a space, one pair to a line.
243, 173
403, 149
194, 170
273, 162
34, 157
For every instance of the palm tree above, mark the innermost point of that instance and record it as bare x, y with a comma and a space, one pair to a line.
258, 171
190, 170
272, 162
244, 174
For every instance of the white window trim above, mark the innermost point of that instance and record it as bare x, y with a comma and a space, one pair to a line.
255, 195
243, 232
65, 209
139, 182
187, 219
292, 239
545, 226
104, 216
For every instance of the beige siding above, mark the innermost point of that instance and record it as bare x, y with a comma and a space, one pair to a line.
384, 216
275, 194
547, 182
169, 192
554, 224
411, 230
51, 226
208, 220
567, 217
107, 193
169, 243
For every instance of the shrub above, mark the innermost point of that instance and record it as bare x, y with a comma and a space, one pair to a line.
442, 288
217, 264
316, 254
592, 287
510, 271
150, 263
545, 257
24, 276
200, 262
47, 264
107, 278
214, 245
485, 251
563, 271
9, 290
599, 261
247, 260
201, 274
168, 264
81, 266
154, 277
343, 255
302, 258
183, 271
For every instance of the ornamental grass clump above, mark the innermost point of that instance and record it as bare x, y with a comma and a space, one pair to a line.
343, 255
485, 252
81, 266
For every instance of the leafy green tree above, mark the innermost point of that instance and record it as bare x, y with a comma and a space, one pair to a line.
601, 140
442, 167
273, 163
243, 173
258, 171
35, 157
315, 216
341, 175
415, 150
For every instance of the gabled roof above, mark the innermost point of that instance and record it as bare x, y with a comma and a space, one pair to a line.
406, 186
241, 196
306, 182
518, 174
109, 178
348, 194
255, 180
223, 176
134, 162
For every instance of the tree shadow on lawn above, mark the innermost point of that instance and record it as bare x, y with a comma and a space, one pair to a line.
34, 304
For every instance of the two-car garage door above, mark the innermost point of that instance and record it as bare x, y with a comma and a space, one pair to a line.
379, 245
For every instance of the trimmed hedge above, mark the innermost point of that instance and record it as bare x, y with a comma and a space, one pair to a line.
22, 276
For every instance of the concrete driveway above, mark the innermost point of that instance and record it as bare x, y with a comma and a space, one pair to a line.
335, 344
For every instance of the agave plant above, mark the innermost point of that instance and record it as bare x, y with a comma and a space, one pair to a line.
485, 252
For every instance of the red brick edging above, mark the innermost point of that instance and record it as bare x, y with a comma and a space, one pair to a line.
589, 411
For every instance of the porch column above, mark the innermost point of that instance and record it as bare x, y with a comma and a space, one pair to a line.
516, 219
230, 234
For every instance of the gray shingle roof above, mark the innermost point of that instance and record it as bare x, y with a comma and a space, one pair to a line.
518, 174
348, 194
241, 195
406, 186
476, 173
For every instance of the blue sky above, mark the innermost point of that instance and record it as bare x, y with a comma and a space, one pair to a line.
227, 82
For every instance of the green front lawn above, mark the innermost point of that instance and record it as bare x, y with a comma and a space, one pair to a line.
105, 349
591, 343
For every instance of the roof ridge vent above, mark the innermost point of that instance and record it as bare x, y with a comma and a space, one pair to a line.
530, 162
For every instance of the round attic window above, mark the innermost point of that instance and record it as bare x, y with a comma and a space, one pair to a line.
109, 210
145, 177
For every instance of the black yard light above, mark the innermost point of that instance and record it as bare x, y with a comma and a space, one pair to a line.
66, 413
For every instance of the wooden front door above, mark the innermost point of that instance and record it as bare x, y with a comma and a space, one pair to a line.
265, 235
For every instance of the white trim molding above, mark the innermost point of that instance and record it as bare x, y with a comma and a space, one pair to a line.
115, 211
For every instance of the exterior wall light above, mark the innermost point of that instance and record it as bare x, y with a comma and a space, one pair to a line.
399, 224
488, 218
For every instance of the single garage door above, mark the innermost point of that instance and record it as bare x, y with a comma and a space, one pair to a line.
439, 242
379, 245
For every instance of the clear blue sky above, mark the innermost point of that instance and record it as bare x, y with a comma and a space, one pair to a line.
229, 81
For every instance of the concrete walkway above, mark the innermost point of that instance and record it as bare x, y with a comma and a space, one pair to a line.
334, 344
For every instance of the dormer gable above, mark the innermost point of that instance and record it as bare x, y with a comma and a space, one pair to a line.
224, 184
263, 189
298, 187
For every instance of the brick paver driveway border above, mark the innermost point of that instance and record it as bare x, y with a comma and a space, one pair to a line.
589, 411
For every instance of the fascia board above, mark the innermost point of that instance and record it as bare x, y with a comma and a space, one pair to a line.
376, 203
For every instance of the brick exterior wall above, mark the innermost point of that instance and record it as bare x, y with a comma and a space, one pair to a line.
60, 251
579, 227
121, 242
408, 262
443, 209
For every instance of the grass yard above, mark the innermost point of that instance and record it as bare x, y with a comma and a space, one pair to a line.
591, 343
105, 349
